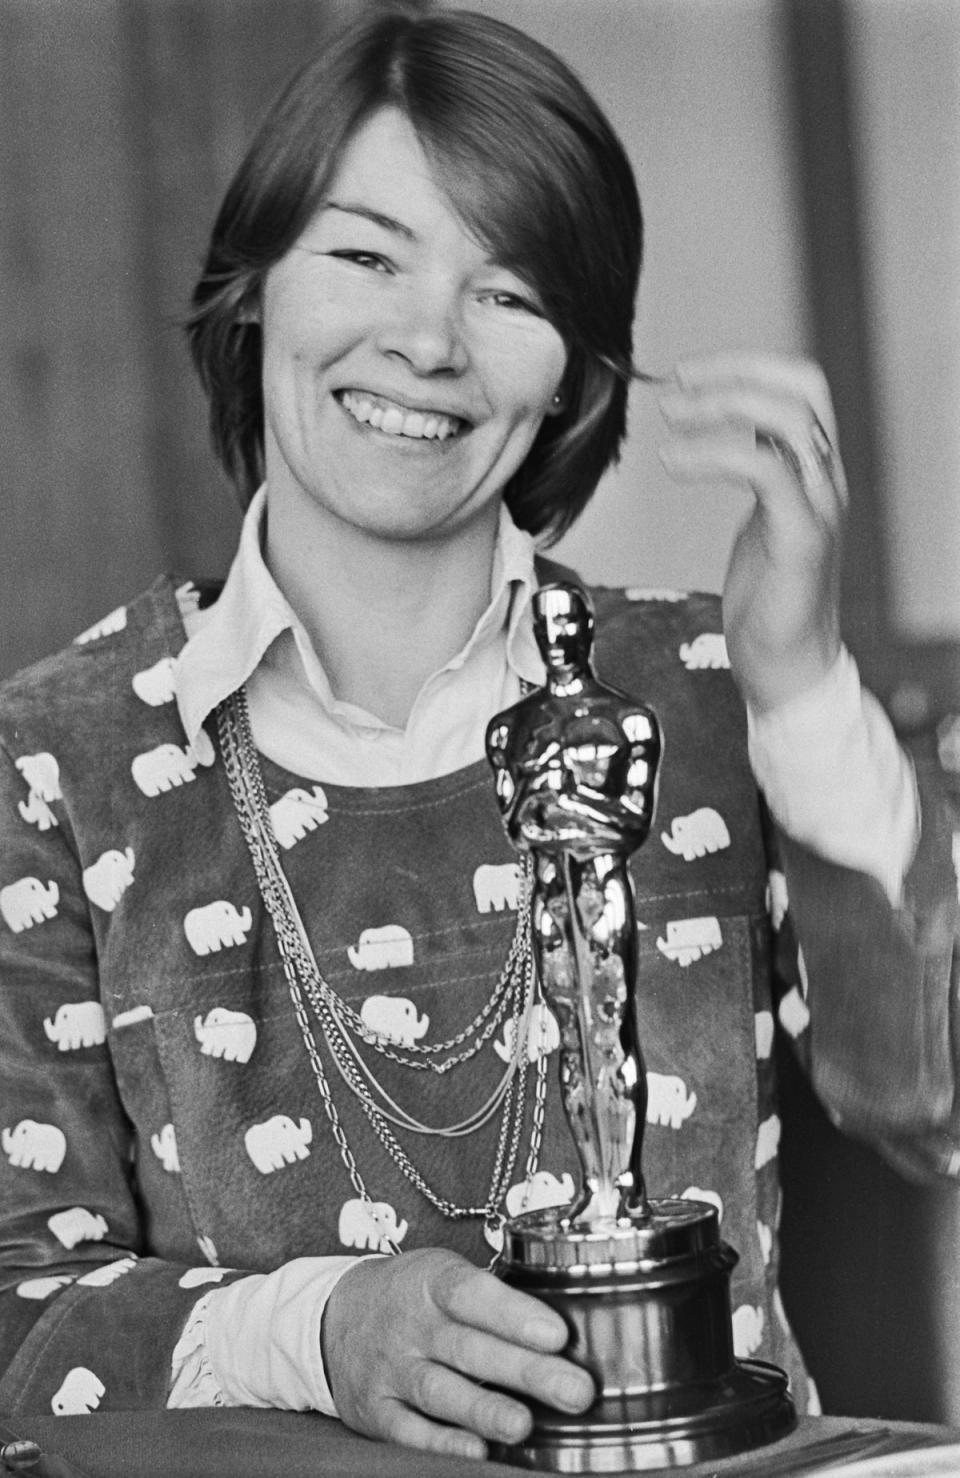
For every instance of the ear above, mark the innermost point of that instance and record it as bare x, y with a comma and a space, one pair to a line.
558, 403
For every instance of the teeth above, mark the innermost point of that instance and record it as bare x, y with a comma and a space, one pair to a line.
392, 420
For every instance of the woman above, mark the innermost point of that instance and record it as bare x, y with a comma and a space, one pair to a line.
264, 951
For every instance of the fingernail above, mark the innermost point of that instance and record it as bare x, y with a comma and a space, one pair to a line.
514, 1428
574, 1392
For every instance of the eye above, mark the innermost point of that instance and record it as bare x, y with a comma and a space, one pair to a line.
369, 259
516, 302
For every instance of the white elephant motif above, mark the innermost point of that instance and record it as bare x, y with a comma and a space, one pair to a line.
36, 812
712, 1198
543, 1035
43, 1287
32, 1146
155, 685
231, 1035
709, 649
188, 598
777, 900
768, 1141
689, 940
164, 1145
27, 902
80, 1393
948, 742
77, 1225
763, 1034
197, 1277
393, 1019
278, 1141
382, 949
794, 1013
543, 1189
216, 925
42, 774
748, 1324
370, 1225
131, 1017
297, 812
77, 1024
497, 885
668, 1102
106, 880
161, 769
208, 1248
108, 625
694, 836
107, 1272
765, 1238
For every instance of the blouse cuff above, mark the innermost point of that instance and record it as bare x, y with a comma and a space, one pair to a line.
836, 779
193, 1381
262, 1336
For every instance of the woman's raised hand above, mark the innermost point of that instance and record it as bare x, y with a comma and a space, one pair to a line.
422, 1349
768, 422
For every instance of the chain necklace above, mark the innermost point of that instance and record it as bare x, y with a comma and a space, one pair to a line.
511, 1000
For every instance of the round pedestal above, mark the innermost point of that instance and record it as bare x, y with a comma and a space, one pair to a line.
648, 1309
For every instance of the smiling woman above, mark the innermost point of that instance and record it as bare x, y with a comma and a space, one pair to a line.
251, 843
385, 319
514, 145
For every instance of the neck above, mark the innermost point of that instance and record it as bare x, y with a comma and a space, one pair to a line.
383, 615
565, 681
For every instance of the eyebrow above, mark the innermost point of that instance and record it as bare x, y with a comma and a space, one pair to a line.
377, 217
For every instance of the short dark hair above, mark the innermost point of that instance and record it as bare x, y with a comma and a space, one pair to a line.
531, 165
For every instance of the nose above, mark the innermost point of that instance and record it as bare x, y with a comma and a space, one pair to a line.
425, 328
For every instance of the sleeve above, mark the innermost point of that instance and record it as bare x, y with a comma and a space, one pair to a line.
868, 986
836, 779
257, 1343
88, 1318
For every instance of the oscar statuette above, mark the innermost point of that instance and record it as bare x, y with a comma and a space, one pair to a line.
642, 1284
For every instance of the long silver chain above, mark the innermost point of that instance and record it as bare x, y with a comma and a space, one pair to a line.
512, 999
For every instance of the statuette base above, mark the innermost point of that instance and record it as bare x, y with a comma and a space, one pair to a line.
648, 1308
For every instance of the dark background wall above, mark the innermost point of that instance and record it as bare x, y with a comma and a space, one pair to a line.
776, 142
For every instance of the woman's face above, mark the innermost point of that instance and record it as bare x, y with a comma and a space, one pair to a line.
405, 374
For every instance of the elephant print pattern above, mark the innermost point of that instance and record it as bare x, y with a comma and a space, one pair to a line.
169, 765
216, 926
370, 1226
32, 1146
278, 1142
182, 1057
27, 902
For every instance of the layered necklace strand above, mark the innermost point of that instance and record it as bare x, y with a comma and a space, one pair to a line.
511, 1001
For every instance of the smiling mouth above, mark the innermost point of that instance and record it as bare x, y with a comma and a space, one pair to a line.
396, 420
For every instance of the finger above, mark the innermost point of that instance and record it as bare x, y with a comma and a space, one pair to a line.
410, 1429
772, 479
800, 379
786, 431
486, 1357
739, 407
485, 1302
437, 1391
